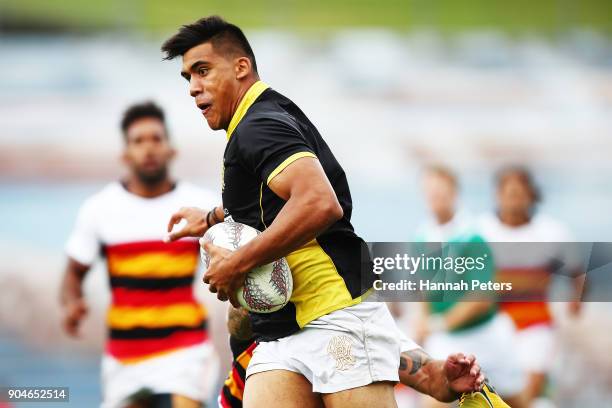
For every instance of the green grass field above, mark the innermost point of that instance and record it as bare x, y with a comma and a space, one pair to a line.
449, 16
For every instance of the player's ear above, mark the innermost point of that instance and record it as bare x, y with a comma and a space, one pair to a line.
123, 157
243, 67
498, 196
172, 153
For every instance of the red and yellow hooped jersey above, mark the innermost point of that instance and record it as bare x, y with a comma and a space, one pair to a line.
153, 310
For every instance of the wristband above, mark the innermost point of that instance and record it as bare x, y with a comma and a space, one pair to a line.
208, 223
214, 214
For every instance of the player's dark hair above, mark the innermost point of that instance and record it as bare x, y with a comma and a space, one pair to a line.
140, 111
444, 172
224, 37
524, 175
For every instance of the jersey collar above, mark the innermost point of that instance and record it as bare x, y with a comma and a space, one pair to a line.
247, 100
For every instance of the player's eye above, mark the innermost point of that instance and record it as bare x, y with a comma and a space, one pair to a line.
202, 71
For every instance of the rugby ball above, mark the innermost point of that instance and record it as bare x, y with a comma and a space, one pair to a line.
267, 288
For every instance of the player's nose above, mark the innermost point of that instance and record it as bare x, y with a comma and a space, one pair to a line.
194, 88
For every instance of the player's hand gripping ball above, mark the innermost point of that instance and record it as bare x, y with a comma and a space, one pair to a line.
267, 288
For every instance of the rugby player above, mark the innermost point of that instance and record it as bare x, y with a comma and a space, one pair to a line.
157, 350
458, 323
530, 271
325, 346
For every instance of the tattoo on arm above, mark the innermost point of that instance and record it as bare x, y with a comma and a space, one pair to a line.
413, 360
239, 324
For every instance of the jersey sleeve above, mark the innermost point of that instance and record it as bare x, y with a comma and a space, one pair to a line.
83, 244
268, 145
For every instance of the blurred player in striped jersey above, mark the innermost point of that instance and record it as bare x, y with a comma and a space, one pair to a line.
530, 271
157, 352
457, 323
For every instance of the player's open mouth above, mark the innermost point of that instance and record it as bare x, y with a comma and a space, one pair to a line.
151, 164
204, 107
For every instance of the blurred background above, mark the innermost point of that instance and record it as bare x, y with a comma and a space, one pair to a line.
391, 85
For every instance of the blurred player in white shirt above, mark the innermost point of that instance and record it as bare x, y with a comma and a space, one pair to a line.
530, 269
475, 327
157, 352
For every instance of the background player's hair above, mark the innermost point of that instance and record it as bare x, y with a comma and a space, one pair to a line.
524, 175
142, 110
442, 171
225, 38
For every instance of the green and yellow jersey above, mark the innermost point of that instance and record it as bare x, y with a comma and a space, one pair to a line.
459, 242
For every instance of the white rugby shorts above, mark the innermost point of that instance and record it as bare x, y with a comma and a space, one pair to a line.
347, 348
536, 348
190, 372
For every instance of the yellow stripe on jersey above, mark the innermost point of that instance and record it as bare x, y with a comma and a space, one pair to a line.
245, 358
261, 212
182, 314
318, 288
153, 265
140, 359
247, 100
287, 162
233, 387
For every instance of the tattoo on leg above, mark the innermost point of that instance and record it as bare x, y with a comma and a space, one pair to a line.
403, 363
417, 359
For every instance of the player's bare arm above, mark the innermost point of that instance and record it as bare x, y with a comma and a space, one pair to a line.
443, 380
464, 312
579, 286
74, 308
458, 315
311, 207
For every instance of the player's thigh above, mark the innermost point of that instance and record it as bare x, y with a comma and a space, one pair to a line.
379, 394
279, 389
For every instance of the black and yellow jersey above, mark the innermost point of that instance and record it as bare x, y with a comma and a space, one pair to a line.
267, 133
